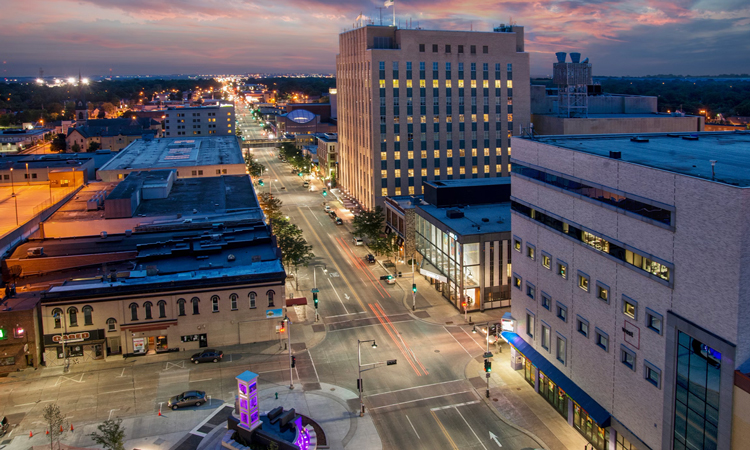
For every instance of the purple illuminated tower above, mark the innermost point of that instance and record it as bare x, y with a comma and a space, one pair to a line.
247, 387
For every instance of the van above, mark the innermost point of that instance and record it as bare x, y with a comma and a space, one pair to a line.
358, 241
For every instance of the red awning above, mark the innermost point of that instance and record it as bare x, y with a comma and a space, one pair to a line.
299, 301
149, 326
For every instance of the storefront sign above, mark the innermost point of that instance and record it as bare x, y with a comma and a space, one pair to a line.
139, 345
83, 336
274, 313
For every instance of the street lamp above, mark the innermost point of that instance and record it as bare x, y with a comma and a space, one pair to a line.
13, 193
289, 342
487, 355
315, 288
61, 317
359, 370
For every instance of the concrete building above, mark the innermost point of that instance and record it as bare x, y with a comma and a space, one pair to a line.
630, 283
216, 120
12, 141
328, 156
418, 105
20, 332
190, 157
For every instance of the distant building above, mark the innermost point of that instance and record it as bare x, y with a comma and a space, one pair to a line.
13, 141
302, 119
420, 105
578, 106
216, 120
190, 157
111, 134
630, 284
328, 155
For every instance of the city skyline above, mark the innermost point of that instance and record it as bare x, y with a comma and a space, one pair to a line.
137, 37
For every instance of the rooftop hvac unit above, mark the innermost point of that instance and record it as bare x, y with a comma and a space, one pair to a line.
454, 214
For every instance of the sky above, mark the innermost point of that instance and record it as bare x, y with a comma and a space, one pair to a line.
130, 37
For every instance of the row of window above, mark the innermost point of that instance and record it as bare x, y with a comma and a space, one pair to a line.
447, 84
25, 176
651, 373
460, 49
618, 251
436, 153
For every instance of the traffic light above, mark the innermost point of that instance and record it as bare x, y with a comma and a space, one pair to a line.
315, 299
487, 366
294, 361
325, 193
299, 174
2, 334
463, 305
414, 288
260, 182
282, 329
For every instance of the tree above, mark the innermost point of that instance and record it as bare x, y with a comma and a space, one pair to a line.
55, 423
295, 251
369, 223
255, 168
93, 147
112, 435
109, 109
271, 206
75, 148
58, 143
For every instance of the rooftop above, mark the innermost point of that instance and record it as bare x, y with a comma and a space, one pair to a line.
166, 153
683, 153
472, 223
469, 182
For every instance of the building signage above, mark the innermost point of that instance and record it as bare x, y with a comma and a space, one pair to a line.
274, 313
632, 334
83, 336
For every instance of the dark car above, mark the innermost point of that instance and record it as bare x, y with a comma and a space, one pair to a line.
4, 426
208, 355
189, 398
370, 259
339, 221
332, 214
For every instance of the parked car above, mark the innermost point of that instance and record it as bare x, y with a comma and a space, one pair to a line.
208, 355
370, 258
332, 214
339, 221
358, 241
306, 184
389, 279
189, 398
327, 208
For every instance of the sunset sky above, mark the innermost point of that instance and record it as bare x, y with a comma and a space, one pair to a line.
628, 37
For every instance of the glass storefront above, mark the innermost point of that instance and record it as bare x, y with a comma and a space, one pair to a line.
696, 417
529, 372
596, 435
553, 394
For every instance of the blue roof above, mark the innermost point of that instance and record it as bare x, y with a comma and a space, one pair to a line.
247, 376
597, 413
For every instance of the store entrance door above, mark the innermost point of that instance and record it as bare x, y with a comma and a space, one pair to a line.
151, 345
203, 341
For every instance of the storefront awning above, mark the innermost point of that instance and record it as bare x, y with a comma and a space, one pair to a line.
141, 327
299, 301
597, 413
431, 271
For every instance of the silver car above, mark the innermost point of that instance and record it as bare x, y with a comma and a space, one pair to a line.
189, 398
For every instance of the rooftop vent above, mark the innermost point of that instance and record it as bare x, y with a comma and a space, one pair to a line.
615, 155
485, 219
692, 137
454, 214
561, 56
575, 57
638, 139
231, 258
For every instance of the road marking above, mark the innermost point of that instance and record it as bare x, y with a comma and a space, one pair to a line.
415, 387
413, 355
412, 427
205, 421
205, 379
445, 432
494, 438
363, 326
34, 403
347, 314
171, 365
122, 374
472, 339
454, 406
377, 314
62, 379
419, 400
121, 390
339, 297
459, 343
472, 430
313, 364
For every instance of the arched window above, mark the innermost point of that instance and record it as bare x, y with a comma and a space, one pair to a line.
233, 299
162, 309
252, 296
73, 316
215, 303
196, 301
134, 311
111, 324
57, 314
147, 306
270, 298
181, 307
87, 310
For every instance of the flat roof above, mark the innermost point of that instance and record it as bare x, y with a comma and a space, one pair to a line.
407, 201
469, 182
164, 153
680, 153
619, 116
472, 223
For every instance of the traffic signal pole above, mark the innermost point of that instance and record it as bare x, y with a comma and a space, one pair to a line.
413, 287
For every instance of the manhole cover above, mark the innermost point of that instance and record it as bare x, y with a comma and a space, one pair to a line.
518, 389
494, 399
449, 323
437, 351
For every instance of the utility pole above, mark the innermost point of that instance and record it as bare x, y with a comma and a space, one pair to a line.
413, 287
289, 341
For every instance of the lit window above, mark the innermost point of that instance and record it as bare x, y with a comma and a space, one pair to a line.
546, 260
473, 83
437, 172
630, 307
517, 244
498, 84
486, 83
602, 292
395, 83
516, 281
384, 192
562, 269
461, 83
583, 281
510, 84
530, 251
382, 84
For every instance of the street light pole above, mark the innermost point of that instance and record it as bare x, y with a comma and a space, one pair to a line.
289, 341
413, 283
359, 372
13, 193
487, 353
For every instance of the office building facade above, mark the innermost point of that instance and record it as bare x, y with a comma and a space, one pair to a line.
417, 105
217, 120
630, 283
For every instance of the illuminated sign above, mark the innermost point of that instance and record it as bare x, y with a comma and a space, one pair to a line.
73, 337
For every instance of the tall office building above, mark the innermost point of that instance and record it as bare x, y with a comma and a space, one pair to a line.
417, 105
630, 284
215, 120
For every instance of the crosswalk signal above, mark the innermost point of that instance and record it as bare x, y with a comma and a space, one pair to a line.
294, 361
487, 366
315, 299
325, 193
414, 288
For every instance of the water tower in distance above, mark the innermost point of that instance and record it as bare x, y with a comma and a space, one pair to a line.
572, 79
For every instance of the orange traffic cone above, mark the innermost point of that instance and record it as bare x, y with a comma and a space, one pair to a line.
47, 432
160, 412
31, 434
71, 427
61, 429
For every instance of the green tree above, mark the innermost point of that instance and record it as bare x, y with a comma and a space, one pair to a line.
111, 435
255, 168
369, 223
93, 147
295, 251
55, 423
58, 143
75, 148
271, 206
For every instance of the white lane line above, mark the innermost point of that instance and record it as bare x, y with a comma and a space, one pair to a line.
415, 387
338, 296
420, 400
198, 433
122, 374
454, 406
365, 326
412, 427
459, 343
472, 340
121, 390
472, 430
205, 379
34, 403
313, 364
348, 314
